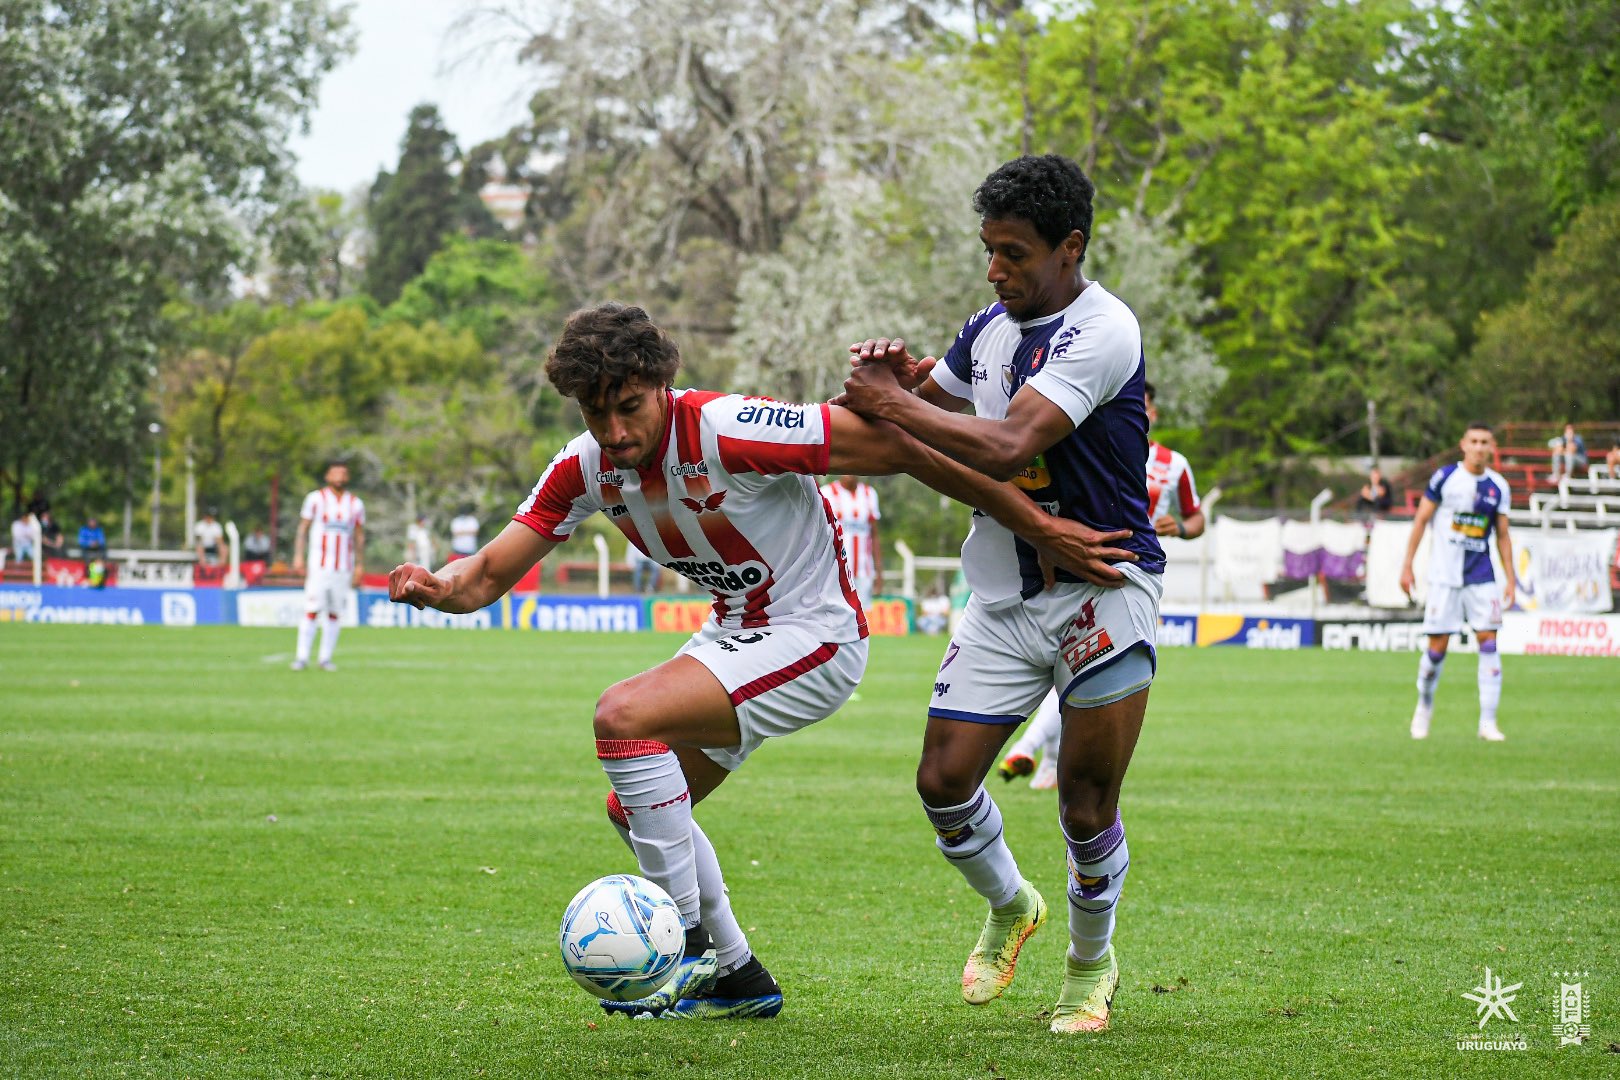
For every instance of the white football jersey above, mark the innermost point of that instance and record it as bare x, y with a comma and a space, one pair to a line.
856, 510
728, 502
1170, 483
1465, 515
333, 519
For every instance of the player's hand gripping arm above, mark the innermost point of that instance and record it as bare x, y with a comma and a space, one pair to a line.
1420, 521
1504, 548
857, 445
474, 582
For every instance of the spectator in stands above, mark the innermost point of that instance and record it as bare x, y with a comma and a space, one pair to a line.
644, 570
50, 535
464, 533
419, 547
209, 535
1374, 496
1569, 454
257, 546
1611, 460
92, 540
24, 535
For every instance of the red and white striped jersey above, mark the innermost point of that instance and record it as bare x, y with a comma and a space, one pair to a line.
1170, 483
333, 519
729, 502
856, 511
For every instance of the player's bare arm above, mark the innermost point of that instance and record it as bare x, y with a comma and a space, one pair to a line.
475, 582
1188, 528
997, 448
300, 541
858, 445
1420, 521
1504, 548
359, 554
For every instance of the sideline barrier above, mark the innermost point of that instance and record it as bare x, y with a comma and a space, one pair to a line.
120, 607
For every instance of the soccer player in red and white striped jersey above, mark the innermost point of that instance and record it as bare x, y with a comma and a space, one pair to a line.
332, 532
717, 487
1172, 495
855, 506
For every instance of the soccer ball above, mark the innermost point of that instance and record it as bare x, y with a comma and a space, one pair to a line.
621, 937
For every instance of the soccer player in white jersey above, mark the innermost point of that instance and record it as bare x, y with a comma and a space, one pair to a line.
717, 487
1054, 371
855, 506
1466, 501
332, 531
1174, 507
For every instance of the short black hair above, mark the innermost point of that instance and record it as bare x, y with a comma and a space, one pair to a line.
1148, 391
1049, 191
1480, 425
604, 347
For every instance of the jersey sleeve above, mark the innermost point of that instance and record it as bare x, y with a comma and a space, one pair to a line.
954, 372
1187, 491
359, 512
310, 500
561, 499
1090, 363
1432, 491
769, 438
1507, 495
877, 514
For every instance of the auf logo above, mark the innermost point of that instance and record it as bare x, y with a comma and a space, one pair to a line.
709, 504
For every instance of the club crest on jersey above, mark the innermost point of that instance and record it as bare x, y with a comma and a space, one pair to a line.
684, 469
782, 416
1035, 364
708, 505
1007, 378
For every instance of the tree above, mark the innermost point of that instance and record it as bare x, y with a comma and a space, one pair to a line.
316, 248
130, 132
416, 208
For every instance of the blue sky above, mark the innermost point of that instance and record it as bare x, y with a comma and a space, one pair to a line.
403, 59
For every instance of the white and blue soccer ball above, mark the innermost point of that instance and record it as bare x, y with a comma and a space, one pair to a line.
621, 937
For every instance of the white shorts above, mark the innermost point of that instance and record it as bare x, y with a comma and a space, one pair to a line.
327, 591
1449, 606
1001, 663
780, 678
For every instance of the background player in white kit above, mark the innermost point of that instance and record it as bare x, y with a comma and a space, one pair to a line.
1174, 507
332, 532
717, 487
1054, 372
855, 506
1467, 502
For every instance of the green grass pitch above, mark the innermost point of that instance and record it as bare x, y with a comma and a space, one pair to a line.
211, 866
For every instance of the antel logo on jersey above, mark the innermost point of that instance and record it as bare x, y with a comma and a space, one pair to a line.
685, 469
718, 577
782, 416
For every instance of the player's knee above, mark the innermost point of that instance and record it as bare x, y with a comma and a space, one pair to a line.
617, 715
940, 784
1086, 810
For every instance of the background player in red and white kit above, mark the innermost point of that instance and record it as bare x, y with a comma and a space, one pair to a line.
332, 530
717, 487
855, 506
1467, 501
1174, 507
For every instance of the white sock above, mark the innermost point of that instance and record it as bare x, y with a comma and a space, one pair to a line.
1429, 665
970, 836
1096, 874
1041, 733
329, 635
306, 637
730, 945
1490, 686
647, 777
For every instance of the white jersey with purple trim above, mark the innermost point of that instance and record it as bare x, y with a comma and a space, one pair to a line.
1466, 509
729, 502
1087, 360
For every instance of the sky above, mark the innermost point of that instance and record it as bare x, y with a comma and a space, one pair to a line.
402, 60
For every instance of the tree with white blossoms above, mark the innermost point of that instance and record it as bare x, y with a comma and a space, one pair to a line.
136, 136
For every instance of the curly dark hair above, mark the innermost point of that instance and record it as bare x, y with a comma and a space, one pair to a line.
604, 347
1050, 192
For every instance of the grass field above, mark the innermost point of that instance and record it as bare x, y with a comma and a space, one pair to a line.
211, 866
